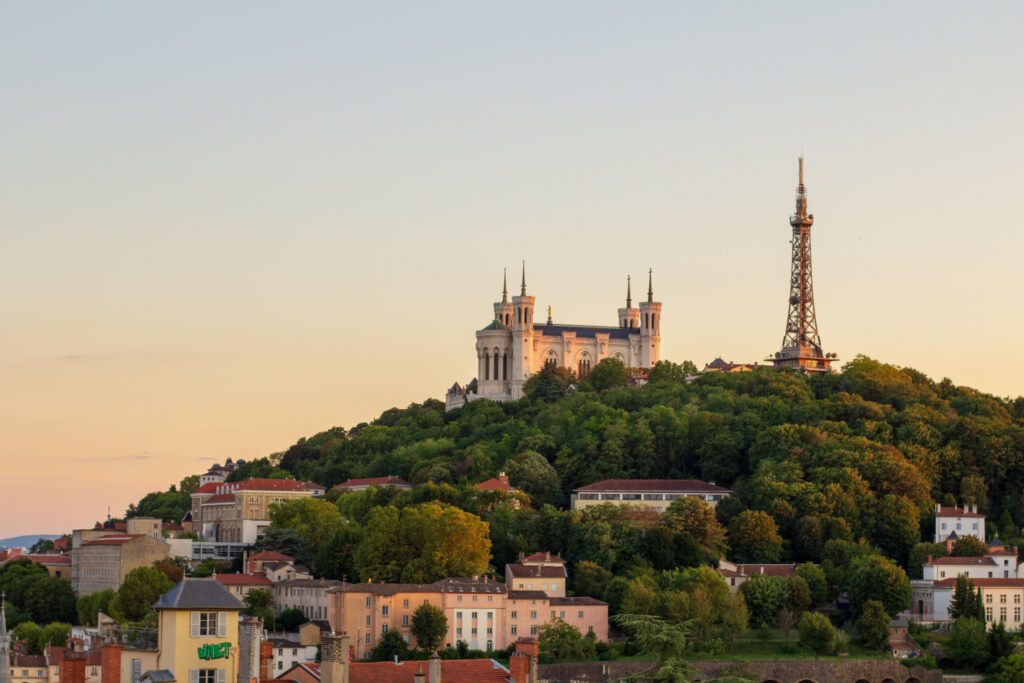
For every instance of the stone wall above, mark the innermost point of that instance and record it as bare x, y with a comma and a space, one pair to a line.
782, 671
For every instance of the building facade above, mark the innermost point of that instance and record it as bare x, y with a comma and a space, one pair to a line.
238, 512
653, 494
513, 347
306, 595
103, 561
958, 521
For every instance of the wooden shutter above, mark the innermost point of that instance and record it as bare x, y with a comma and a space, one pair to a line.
194, 622
193, 676
222, 675
222, 625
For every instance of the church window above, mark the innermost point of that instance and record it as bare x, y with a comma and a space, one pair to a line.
487, 366
519, 315
495, 365
504, 365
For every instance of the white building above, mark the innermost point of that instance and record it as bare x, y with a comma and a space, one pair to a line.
965, 521
288, 653
991, 566
512, 347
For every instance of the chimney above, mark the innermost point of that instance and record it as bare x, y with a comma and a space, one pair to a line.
938, 508
502, 477
334, 660
420, 677
547, 556
523, 663
72, 667
435, 668
266, 663
929, 560
974, 508
249, 649
110, 661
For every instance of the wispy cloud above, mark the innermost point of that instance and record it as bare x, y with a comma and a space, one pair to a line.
144, 455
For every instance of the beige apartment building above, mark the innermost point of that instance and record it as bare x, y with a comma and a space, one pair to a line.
101, 559
652, 494
307, 595
238, 512
538, 572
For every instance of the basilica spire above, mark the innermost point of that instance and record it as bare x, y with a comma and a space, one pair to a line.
650, 285
504, 286
522, 290
629, 294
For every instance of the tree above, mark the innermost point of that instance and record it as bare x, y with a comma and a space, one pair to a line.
664, 642
559, 641
390, 646
259, 602
920, 554
429, 627
55, 634
171, 569
531, 472
969, 546
291, 619
816, 582
32, 634
422, 543
874, 577
968, 644
786, 621
765, 595
549, 384
896, 527
754, 537
1000, 642
89, 606
695, 535
817, 633
1008, 670
966, 601
591, 579
798, 594
608, 374
141, 588
873, 625
666, 371
49, 599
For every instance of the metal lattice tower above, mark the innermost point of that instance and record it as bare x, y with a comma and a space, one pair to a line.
801, 345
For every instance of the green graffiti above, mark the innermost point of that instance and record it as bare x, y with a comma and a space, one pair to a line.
215, 651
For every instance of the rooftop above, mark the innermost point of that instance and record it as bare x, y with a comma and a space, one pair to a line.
198, 594
985, 583
243, 580
517, 569
659, 485
113, 539
580, 600
953, 511
961, 561
375, 481
527, 595
216, 487
271, 556
452, 671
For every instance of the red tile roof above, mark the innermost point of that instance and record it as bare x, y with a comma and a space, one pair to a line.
48, 559
543, 557
220, 498
535, 570
271, 556
577, 600
962, 561
257, 485
375, 481
952, 511
985, 583
670, 485
114, 539
452, 671
495, 484
243, 580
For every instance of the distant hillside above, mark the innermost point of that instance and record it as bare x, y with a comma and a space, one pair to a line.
25, 541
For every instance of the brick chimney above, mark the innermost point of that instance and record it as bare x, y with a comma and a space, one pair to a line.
523, 663
110, 661
502, 477
266, 663
435, 668
334, 658
72, 667
420, 677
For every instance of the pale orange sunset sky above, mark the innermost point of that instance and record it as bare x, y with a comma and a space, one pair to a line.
229, 225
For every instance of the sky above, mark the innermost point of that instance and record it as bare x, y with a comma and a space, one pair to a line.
225, 226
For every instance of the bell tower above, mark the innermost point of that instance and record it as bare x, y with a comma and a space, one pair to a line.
629, 317
522, 338
650, 326
503, 310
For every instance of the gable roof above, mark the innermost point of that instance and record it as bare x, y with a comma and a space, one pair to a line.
271, 556
522, 571
220, 487
577, 600
198, 594
754, 569
113, 539
962, 561
495, 484
953, 511
243, 580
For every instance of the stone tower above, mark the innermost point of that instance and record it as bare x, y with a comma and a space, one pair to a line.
650, 326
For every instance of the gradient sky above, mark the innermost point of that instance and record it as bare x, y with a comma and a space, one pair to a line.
224, 226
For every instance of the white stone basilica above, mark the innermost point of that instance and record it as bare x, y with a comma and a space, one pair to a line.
512, 347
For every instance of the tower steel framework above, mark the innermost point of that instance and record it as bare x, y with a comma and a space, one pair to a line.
801, 345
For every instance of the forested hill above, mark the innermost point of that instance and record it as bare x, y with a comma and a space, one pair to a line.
871, 442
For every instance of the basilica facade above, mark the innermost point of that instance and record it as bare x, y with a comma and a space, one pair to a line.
513, 347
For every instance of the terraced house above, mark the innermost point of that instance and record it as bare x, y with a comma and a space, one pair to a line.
238, 512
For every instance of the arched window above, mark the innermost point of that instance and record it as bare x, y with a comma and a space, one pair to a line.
495, 364
647, 321
504, 365
519, 315
487, 365
654, 321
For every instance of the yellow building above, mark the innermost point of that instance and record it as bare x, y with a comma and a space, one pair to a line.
538, 572
197, 637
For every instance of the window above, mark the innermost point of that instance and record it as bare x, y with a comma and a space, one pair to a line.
474, 597
384, 610
514, 629
533, 614
405, 604
207, 675
490, 645
473, 615
384, 629
405, 620
1016, 614
988, 598
1016, 599
368, 599
579, 615
590, 629
533, 630
367, 619
988, 614
472, 631
552, 614
516, 614
1002, 614
458, 631
458, 598
205, 624
367, 639
1002, 598
294, 652
490, 631
490, 598
561, 615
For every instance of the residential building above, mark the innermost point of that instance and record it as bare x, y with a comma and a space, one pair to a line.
511, 347
219, 473
366, 611
57, 665
498, 483
254, 563
738, 573
363, 484
58, 566
538, 572
197, 634
101, 559
719, 365
306, 594
961, 521
288, 653
239, 585
238, 512
995, 566
653, 494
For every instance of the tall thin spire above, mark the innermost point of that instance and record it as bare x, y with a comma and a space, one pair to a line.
629, 294
801, 192
522, 290
504, 286
650, 285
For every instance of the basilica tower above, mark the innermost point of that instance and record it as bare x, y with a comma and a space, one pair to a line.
650, 326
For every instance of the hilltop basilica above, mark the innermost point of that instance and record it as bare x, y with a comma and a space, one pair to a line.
512, 347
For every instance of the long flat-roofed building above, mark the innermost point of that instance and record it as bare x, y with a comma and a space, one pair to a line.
655, 494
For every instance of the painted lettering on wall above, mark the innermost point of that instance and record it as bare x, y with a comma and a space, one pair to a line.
215, 651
